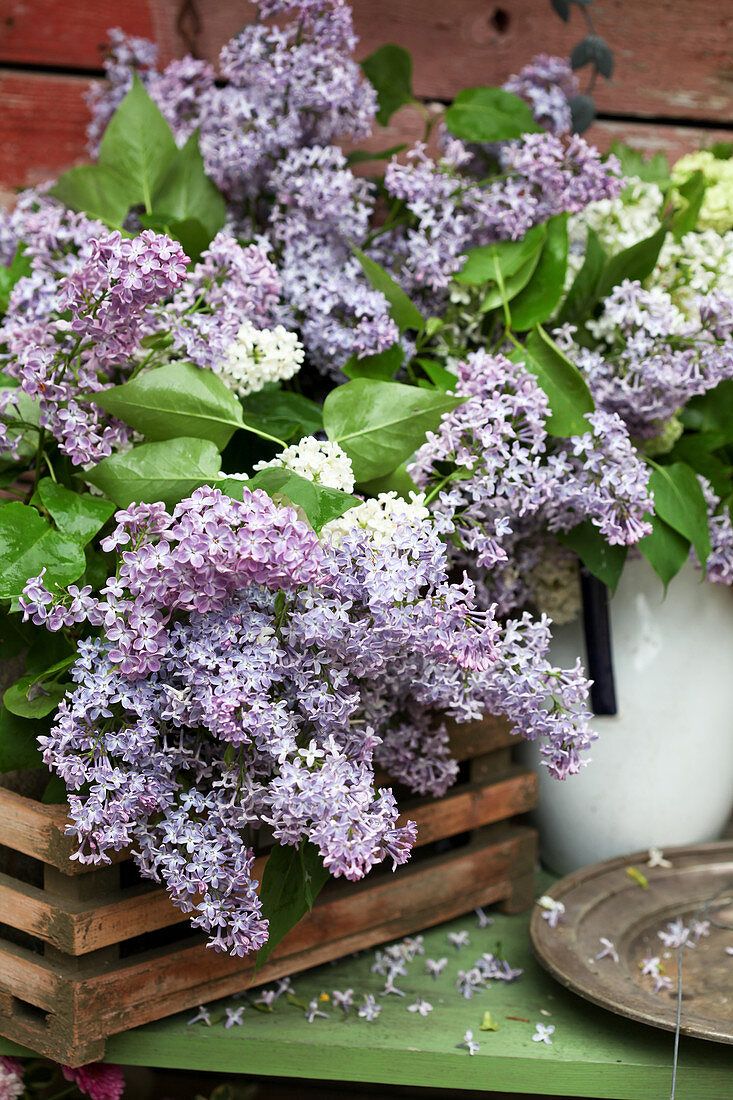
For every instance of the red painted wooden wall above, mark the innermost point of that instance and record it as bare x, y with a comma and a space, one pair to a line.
672, 88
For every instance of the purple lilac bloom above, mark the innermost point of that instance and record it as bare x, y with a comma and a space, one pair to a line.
547, 84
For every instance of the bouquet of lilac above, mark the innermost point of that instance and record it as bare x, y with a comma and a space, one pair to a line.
287, 452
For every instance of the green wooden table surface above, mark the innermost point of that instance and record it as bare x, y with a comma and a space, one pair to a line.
593, 1054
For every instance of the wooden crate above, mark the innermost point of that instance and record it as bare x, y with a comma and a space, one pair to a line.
85, 953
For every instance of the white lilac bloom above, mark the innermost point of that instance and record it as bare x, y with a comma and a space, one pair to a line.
699, 928
423, 1008
661, 982
656, 858
260, 356
543, 1033
676, 935
370, 1009
469, 982
459, 939
380, 964
413, 945
482, 919
390, 987
344, 1000
552, 911
202, 1016
618, 222
435, 966
468, 1042
234, 1017
608, 950
322, 462
651, 966
313, 1010
381, 517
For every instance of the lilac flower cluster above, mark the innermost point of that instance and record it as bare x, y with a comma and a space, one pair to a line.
651, 359
68, 333
511, 485
547, 84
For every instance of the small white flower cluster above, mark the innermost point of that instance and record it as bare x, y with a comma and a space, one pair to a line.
619, 222
321, 462
259, 356
697, 264
380, 516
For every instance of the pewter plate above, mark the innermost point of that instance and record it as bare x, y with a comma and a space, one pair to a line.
603, 900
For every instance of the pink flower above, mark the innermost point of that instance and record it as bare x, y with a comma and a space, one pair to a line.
11, 1079
98, 1081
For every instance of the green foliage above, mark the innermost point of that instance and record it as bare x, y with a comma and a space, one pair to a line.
55, 793
566, 389
185, 192
404, 313
20, 266
439, 376
30, 697
635, 262
537, 301
389, 71
319, 503
692, 192
29, 544
498, 262
654, 169
291, 882
169, 471
584, 292
382, 365
679, 501
398, 481
602, 560
138, 145
665, 549
175, 400
381, 424
287, 416
95, 190
18, 745
488, 115
78, 515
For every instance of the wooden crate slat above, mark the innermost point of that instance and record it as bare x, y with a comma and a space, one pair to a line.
454, 45
29, 976
473, 805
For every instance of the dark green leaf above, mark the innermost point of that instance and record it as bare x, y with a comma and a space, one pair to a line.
175, 400
78, 515
28, 544
489, 115
562, 8
505, 258
185, 191
55, 793
404, 313
383, 365
167, 471
593, 50
98, 191
721, 150
19, 268
696, 451
18, 743
584, 292
292, 880
692, 192
26, 411
381, 424
30, 697
582, 112
711, 411
15, 635
603, 560
441, 378
540, 298
282, 414
679, 500
320, 503
567, 391
389, 71
398, 481
633, 263
138, 145
47, 646
665, 549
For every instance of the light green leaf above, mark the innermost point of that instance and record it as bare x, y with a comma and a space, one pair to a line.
320, 503
292, 879
692, 193
21, 700
280, 413
138, 145
441, 378
98, 191
389, 71
28, 544
665, 549
504, 258
540, 298
600, 558
508, 289
78, 515
19, 268
489, 114
653, 170
175, 400
381, 424
186, 192
679, 500
167, 471
567, 391
402, 310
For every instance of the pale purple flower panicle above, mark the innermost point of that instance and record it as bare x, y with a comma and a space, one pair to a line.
547, 84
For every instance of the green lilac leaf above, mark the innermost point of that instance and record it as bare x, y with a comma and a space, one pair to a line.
186, 192
292, 879
175, 400
584, 292
382, 365
18, 743
320, 503
398, 481
635, 262
440, 377
285, 415
167, 471
98, 191
537, 302
566, 389
504, 258
381, 424
692, 192
489, 115
55, 793
20, 267
78, 515
600, 558
404, 313
679, 501
28, 544
389, 71
654, 170
665, 549
508, 289
138, 145
43, 702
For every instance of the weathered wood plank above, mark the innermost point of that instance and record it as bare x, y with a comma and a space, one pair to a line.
454, 45
473, 805
29, 977
39, 831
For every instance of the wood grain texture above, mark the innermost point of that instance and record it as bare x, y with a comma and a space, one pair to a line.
673, 59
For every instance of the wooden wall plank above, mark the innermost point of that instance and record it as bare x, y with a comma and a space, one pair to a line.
673, 59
